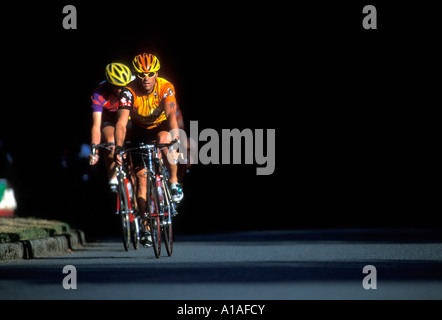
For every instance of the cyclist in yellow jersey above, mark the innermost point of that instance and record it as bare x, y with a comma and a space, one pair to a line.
151, 103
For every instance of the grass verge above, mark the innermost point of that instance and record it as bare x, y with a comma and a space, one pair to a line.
17, 229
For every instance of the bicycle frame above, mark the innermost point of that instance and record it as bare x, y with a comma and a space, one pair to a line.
160, 205
153, 163
125, 201
156, 168
123, 182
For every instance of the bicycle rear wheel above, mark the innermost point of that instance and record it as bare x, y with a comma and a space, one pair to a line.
154, 215
124, 207
133, 218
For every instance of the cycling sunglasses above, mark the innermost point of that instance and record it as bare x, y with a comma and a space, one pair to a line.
144, 75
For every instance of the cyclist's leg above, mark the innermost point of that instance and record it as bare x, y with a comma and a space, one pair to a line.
177, 190
108, 137
141, 175
164, 137
133, 178
139, 172
141, 191
140, 135
107, 133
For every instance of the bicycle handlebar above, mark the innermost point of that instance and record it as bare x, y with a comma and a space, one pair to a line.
143, 146
106, 146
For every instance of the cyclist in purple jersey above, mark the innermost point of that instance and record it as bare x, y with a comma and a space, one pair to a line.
105, 100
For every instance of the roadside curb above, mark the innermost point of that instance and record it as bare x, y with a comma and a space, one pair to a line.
42, 248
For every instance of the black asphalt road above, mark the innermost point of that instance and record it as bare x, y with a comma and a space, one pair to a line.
254, 265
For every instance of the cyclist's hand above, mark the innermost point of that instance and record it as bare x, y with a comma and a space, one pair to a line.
117, 156
93, 159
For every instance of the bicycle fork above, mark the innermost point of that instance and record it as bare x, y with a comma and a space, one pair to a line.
124, 183
166, 205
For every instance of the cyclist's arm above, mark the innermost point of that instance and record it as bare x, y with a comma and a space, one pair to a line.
170, 111
95, 136
96, 128
179, 117
120, 127
124, 107
97, 112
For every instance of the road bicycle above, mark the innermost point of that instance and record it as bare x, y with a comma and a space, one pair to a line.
130, 222
160, 207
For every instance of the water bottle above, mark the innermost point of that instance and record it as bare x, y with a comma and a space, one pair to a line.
129, 188
160, 188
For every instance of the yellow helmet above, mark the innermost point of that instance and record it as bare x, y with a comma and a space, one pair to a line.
118, 74
144, 63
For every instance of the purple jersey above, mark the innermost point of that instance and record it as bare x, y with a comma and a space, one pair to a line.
103, 99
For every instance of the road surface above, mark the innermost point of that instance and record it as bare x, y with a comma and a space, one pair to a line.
253, 265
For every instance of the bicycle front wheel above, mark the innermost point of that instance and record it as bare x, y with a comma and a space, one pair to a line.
166, 207
168, 234
135, 232
123, 205
167, 220
154, 215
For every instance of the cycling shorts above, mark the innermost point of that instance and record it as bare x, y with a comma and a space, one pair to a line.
143, 135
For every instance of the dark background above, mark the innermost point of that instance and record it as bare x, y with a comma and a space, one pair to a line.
354, 110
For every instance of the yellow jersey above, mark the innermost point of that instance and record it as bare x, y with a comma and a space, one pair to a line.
147, 110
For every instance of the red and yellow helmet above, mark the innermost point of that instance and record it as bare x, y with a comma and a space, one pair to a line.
144, 63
